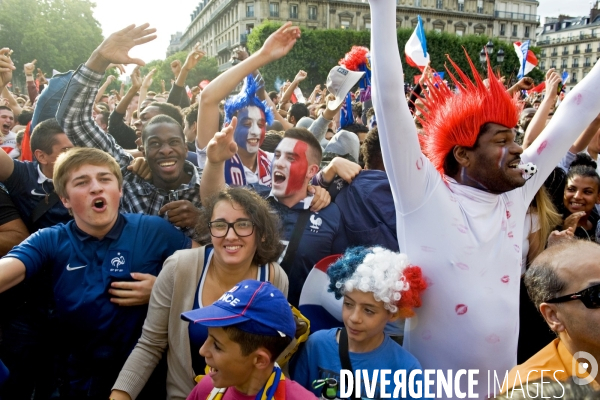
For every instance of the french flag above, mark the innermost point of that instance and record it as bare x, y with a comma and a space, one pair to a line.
416, 47
527, 59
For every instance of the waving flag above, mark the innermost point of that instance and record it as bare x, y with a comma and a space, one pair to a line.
416, 47
527, 59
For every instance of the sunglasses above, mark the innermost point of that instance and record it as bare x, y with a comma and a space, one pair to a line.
590, 297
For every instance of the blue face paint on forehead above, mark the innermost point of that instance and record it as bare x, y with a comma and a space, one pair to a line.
250, 131
247, 97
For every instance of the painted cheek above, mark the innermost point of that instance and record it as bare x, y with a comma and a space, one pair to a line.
263, 133
298, 169
241, 136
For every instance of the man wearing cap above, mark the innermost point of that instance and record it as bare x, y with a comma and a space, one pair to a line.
248, 329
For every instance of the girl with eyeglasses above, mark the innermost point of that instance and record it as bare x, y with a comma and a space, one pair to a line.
242, 242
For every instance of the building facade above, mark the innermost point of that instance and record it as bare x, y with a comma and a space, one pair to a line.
571, 44
223, 25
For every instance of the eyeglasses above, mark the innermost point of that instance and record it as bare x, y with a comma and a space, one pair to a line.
590, 297
242, 228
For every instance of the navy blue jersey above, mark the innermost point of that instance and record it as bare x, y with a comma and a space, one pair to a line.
97, 332
323, 235
26, 189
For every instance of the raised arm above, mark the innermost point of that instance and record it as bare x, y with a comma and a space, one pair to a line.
276, 46
287, 95
407, 168
178, 89
75, 109
538, 122
579, 108
220, 149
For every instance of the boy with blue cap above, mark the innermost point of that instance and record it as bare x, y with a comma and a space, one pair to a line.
248, 328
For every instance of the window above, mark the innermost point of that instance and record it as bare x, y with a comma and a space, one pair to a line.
312, 12
294, 11
461, 5
418, 3
564, 63
565, 50
527, 31
502, 29
514, 30
574, 78
576, 49
249, 9
587, 62
439, 4
553, 64
460, 32
274, 10
479, 6
345, 23
543, 65
368, 24
575, 62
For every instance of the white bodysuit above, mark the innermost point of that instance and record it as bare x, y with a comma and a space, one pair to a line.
467, 241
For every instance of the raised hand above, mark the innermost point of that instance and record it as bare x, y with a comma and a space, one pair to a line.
148, 78
6, 66
115, 48
41, 77
300, 76
222, 146
136, 78
553, 79
29, 68
176, 68
120, 67
192, 59
526, 83
280, 42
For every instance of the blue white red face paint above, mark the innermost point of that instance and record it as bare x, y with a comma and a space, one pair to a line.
251, 129
290, 166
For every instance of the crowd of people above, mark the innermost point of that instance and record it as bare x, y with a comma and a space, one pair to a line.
210, 245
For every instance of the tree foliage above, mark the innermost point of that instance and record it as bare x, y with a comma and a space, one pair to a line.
207, 68
317, 51
60, 34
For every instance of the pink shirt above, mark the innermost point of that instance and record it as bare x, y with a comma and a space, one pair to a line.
293, 391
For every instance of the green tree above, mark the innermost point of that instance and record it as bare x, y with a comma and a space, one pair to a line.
60, 34
207, 68
317, 51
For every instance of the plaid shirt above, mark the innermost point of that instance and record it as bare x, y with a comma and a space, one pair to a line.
139, 196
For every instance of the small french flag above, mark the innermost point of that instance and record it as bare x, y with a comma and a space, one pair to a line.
527, 59
416, 47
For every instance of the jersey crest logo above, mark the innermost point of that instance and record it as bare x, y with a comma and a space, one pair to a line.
315, 223
117, 261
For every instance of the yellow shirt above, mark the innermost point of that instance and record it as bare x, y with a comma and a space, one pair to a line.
556, 363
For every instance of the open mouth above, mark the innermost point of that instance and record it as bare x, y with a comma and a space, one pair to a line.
99, 205
253, 142
514, 164
575, 205
278, 177
166, 164
233, 248
5, 127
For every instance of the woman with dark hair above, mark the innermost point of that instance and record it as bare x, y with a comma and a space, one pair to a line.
242, 239
581, 194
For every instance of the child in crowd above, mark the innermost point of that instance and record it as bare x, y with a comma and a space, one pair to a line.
248, 328
378, 286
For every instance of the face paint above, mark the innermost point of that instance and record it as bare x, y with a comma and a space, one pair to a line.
250, 131
289, 167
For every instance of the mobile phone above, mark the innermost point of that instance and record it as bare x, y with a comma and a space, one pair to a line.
560, 88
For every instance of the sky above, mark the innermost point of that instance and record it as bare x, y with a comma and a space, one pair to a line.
170, 17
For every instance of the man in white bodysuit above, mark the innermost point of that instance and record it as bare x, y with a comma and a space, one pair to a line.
460, 212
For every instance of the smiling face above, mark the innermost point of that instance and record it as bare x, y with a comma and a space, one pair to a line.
289, 168
493, 161
7, 121
232, 249
581, 194
251, 129
165, 151
228, 366
364, 318
93, 196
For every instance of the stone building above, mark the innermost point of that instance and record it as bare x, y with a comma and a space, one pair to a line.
571, 44
223, 25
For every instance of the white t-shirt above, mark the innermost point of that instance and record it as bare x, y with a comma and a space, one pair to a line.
9, 145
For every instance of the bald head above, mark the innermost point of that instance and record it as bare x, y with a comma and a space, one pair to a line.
562, 268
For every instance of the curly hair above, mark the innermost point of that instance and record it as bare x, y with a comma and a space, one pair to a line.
371, 151
584, 166
386, 274
266, 222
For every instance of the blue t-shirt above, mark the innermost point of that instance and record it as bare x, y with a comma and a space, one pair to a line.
320, 359
98, 335
323, 236
26, 191
199, 333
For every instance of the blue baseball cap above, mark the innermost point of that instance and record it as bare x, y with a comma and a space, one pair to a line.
253, 306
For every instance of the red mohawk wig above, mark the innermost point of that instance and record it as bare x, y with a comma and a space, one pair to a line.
455, 119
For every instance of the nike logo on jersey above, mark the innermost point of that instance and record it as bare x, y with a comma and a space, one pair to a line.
74, 268
33, 192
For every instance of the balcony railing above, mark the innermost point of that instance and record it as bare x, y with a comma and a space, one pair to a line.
573, 80
502, 33
293, 15
243, 38
576, 51
568, 39
223, 46
554, 54
565, 52
274, 14
225, 66
588, 50
587, 64
519, 16
249, 14
575, 65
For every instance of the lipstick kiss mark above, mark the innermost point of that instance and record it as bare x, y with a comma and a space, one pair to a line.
461, 309
507, 214
542, 147
462, 266
505, 279
578, 99
462, 228
510, 234
420, 163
